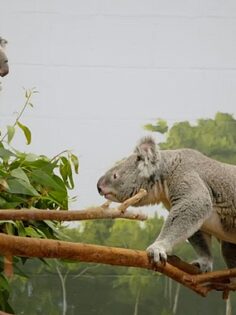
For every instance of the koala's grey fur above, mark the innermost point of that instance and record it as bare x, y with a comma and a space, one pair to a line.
4, 68
199, 192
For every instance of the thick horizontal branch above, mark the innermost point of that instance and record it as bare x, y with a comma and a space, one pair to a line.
32, 247
70, 215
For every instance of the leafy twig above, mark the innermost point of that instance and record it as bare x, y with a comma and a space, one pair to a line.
28, 94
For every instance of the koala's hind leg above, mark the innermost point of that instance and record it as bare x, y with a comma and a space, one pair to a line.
201, 243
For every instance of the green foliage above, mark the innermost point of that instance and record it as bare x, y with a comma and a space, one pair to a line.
213, 137
160, 126
32, 181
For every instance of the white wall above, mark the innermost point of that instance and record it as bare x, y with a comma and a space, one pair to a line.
105, 68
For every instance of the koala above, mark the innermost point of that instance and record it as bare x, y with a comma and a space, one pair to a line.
4, 68
199, 192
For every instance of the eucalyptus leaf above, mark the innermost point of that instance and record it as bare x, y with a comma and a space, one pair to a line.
75, 162
19, 186
45, 179
26, 132
34, 232
19, 173
10, 133
66, 172
20, 228
6, 154
4, 284
3, 184
7, 221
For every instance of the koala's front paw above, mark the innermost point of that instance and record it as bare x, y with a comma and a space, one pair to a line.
205, 264
157, 252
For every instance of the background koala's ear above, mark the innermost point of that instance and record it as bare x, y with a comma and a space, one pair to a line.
3, 42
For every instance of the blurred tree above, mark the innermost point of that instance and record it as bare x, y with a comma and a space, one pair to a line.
214, 137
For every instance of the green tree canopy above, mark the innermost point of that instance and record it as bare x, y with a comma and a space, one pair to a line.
214, 137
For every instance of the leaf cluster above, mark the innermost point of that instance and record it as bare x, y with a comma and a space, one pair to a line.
32, 181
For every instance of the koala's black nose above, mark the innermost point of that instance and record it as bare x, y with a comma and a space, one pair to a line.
99, 189
4, 71
99, 185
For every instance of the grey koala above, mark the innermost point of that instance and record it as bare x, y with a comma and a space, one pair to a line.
199, 192
4, 68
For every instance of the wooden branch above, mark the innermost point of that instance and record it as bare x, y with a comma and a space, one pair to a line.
70, 215
133, 200
186, 274
175, 268
4, 313
216, 276
32, 247
101, 212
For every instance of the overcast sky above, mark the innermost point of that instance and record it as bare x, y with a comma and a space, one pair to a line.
105, 68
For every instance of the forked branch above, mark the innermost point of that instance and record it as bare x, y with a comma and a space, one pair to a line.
176, 269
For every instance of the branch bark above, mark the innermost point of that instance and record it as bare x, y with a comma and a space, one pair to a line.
101, 212
70, 215
216, 276
175, 268
32, 247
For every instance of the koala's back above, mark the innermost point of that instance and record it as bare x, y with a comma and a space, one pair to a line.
220, 179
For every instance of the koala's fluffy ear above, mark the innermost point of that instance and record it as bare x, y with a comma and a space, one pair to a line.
3, 42
149, 156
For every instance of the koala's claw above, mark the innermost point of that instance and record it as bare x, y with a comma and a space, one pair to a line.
203, 263
157, 253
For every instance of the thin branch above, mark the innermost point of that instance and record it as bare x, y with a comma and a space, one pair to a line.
8, 265
133, 200
101, 212
70, 215
59, 154
225, 288
28, 97
216, 276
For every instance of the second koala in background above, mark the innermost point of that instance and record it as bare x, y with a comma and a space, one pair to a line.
4, 67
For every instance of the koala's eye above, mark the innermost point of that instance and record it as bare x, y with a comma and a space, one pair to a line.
115, 176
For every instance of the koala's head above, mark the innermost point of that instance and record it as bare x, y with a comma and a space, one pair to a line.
4, 68
140, 170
